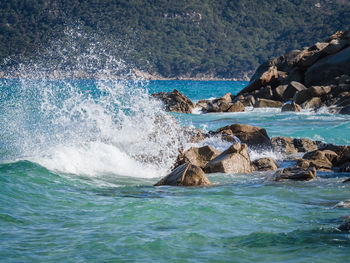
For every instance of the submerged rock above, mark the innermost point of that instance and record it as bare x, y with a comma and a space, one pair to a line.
265, 164
296, 173
185, 175
234, 160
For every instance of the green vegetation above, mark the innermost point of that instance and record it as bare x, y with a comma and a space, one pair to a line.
222, 37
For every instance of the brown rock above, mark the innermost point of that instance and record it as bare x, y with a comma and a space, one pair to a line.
305, 145
291, 107
193, 135
246, 100
175, 101
236, 107
296, 173
284, 145
253, 136
314, 103
264, 103
265, 164
226, 98
279, 91
307, 94
234, 160
292, 88
185, 175
198, 156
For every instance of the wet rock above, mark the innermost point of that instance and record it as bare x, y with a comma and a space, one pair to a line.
185, 175
292, 89
313, 103
291, 107
236, 107
175, 101
193, 135
305, 145
233, 160
345, 168
308, 94
198, 156
321, 160
246, 100
343, 153
265, 164
251, 135
265, 103
296, 173
226, 98
284, 145
203, 104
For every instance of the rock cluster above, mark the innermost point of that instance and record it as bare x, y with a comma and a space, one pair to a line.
192, 164
312, 77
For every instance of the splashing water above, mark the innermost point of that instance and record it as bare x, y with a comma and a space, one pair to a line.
89, 127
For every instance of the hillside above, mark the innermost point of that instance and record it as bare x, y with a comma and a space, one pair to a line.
174, 38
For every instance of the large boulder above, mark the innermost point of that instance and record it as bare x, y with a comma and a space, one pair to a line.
234, 160
321, 160
296, 173
290, 145
175, 101
265, 164
185, 175
313, 103
328, 68
251, 135
307, 94
236, 107
265, 103
198, 156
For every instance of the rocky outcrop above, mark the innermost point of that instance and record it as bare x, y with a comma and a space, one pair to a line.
234, 160
265, 164
296, 174
198, 156
253, 136
175, 101
185, 175
312, 77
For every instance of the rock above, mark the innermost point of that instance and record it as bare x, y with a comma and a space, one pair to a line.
204, 104
345, 168
307, 94
296, 173
309, 57
314, 103
294, 75
345, 227
226, 98
185, 175
265, 164
335, 46
234, 160
279, 91
284, 145
198, 156
236, 107
305, 145
347, 180
246, 100
193, 135
253, 136
291, 89
264, 103
328, 68
343, 153
175, 101
269, 77
265, 93
345, 110
291, 107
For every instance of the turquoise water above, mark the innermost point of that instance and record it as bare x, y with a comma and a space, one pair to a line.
75, 185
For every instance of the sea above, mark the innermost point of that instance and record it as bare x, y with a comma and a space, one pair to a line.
79, 158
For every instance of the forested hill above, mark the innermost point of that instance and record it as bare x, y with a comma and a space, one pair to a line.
176, 38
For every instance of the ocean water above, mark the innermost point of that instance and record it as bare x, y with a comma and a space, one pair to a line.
78, 160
